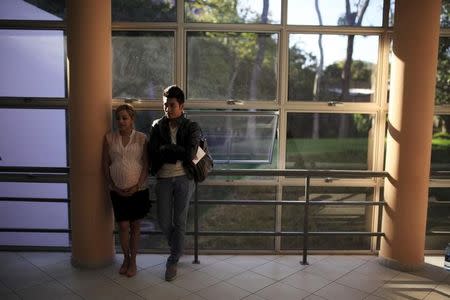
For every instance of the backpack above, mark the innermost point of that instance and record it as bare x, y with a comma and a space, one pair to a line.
205, 164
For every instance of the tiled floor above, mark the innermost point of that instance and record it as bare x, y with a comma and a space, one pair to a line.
38, 275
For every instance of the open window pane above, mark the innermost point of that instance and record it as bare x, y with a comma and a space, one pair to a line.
440, 150
243, 138
332, 67
32, 63
328, 141
335, 13
49, 10
144, 11
232, 65
240, 11
33, 137
143, 63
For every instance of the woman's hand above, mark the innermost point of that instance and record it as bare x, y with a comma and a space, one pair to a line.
131, 190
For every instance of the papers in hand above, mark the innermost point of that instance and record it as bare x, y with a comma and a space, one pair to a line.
200, 153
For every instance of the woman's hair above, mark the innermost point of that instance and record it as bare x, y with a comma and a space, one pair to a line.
128, 108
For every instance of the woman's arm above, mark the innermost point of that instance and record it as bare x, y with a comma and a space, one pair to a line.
144, 171
106, 162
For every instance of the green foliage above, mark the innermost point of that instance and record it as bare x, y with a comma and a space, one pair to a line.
143, 10
55, 7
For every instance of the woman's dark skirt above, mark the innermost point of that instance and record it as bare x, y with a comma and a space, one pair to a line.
130, 208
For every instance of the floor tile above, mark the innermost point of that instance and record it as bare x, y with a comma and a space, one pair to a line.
163, 291
10, 296
253, 297
4, 289
45, 291
222, 291
437, 296
195, 281
22, 275
377, 271
282, 291
223, 270
361, 282
41, 259
292, 261
406, 286
247, 261
326, 270
192, 296
306, 281
314, 297
250, 281
142, 279
337, 291
274, 270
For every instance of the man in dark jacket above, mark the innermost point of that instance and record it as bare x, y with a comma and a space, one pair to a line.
172, 147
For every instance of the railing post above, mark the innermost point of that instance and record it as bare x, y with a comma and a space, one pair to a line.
305, 222
196, 261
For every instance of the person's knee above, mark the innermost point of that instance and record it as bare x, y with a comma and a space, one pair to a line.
124, 226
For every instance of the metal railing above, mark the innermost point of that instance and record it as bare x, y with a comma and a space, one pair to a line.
60, 175
307, 175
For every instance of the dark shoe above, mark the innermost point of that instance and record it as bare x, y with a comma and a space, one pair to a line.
171, 272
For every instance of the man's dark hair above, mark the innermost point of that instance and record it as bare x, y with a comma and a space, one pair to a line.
174, 91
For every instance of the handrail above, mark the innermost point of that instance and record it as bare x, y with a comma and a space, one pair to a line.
61, 174
307, 174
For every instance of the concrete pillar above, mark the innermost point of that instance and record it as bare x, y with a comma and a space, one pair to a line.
90, 94
408, 153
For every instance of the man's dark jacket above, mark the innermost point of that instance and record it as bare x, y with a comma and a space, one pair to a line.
161, 150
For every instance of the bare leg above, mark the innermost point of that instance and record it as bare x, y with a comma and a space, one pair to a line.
135, 234
124, 235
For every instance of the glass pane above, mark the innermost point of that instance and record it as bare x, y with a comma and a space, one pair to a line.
328, 217
329, 242
335, 13
440, 150
443, 74
239, 11
328, 141
445, 14
235, 243
332, 67
33, 63
33, 190
48, 10
144, 11
391, 13
34, 239
235, 217
241, 138
227, 65
143, 64
33, 137
34, 215
438, 218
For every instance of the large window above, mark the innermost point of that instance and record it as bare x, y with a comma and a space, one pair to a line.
275, 84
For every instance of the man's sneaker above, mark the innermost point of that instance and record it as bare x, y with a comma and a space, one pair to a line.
171, 272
